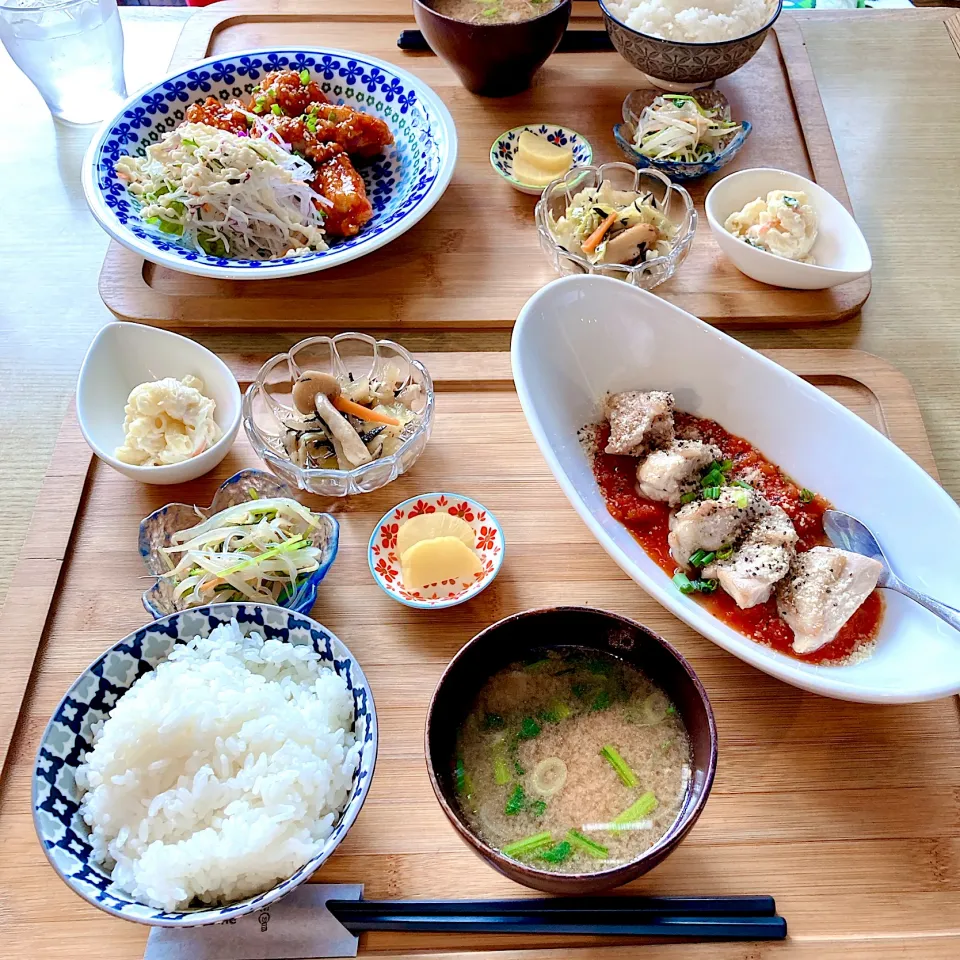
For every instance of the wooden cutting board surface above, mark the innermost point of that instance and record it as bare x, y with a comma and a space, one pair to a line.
848, 814
475, 259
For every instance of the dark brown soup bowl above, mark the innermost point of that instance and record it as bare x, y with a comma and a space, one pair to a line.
508, 641
493, 59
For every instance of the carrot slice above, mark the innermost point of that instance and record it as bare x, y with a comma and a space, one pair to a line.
593, 241
364, 413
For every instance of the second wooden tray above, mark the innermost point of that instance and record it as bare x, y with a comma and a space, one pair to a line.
848, 814
474, 260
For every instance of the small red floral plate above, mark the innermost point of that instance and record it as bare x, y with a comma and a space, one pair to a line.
385, 562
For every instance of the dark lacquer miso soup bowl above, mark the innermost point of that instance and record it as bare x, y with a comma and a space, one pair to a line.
495, 46
571, 748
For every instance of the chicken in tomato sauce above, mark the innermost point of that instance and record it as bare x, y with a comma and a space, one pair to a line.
732, 529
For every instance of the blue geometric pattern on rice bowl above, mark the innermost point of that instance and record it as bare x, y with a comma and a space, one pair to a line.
63, 833
402, 184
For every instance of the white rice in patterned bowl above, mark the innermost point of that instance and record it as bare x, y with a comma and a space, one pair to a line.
220, 772
688, 21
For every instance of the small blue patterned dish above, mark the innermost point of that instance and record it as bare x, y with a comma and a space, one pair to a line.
403, 184
156, 530
624, 133
63, 833
505, 146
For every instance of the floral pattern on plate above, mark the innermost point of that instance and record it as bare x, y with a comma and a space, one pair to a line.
384, 560
505, 147
402, 184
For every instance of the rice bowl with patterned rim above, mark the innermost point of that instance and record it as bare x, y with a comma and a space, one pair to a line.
689, 21
205, 765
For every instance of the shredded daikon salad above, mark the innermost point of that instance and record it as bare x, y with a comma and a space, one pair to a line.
259, 550
677, 127
245, 198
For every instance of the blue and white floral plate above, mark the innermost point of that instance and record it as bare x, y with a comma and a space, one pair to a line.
505, 146
403, 184
63, 833
157, 529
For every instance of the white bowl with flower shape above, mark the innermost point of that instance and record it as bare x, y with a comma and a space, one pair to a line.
672, 200
403, 184
384, 562
124, 355
505, 147
267, 406
840, 251
581, 337
61, 829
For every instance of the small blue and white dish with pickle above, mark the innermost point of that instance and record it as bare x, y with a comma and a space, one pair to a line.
173, 593
710, 105
403, 181
505, 147
59, 801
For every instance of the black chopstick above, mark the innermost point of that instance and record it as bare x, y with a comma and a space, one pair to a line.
598, 907
691, 918
573, 41
692, 928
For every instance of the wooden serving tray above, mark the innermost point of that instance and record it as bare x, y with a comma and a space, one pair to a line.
848, 814
475, 258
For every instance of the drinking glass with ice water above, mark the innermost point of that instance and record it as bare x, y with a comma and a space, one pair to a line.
71, 50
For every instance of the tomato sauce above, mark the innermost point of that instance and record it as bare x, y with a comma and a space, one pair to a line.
648, 522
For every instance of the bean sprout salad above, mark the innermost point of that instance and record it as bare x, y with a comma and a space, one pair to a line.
260, 550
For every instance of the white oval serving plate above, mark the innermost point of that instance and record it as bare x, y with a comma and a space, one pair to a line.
581, 337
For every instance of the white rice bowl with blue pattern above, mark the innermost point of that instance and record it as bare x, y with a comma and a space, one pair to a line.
402, 184
205, 765
220, 772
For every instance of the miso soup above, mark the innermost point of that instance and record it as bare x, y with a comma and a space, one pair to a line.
571, 761
493, 11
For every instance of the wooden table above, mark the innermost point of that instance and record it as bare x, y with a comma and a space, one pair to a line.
876, 71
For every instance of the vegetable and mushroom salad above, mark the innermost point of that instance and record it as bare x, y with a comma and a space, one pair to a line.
677, 127
572, 761
343, 423
262, 550
605, 225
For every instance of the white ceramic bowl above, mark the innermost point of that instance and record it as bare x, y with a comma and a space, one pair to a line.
123, 355
580, 337
841, 251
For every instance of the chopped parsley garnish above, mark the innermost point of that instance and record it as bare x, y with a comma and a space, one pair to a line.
515, 802
687, 586
529, 728
557, 854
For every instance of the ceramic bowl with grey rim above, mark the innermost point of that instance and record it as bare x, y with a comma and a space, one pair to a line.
679, 65
157, 529
63, 833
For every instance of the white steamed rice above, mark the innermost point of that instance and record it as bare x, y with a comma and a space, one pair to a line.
688, 21
221, 772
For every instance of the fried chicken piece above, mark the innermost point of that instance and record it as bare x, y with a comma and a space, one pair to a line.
285, 89
359, 133
339, 182
294, 132
217, 113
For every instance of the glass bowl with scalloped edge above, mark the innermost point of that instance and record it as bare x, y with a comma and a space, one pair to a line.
267, 406
671, 199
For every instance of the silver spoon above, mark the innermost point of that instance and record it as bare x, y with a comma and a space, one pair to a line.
848, 533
